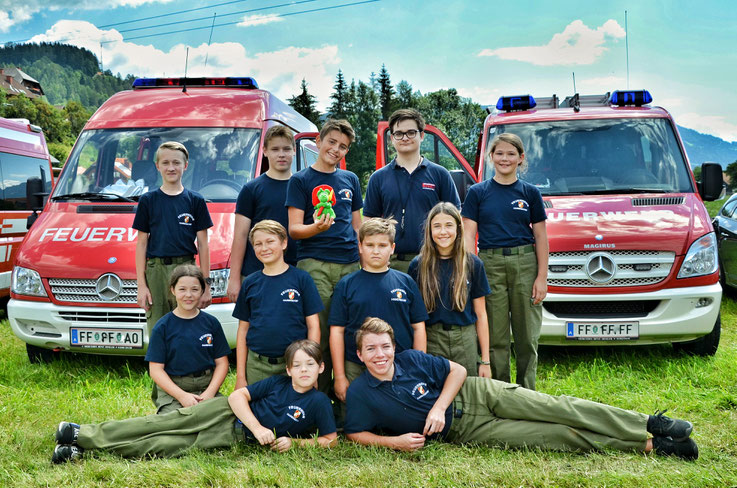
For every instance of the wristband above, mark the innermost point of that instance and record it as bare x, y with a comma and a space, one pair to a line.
484, 363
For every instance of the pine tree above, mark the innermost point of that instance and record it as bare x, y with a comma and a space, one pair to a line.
339, 108
405, 97
387, 102
365, 118
306, 104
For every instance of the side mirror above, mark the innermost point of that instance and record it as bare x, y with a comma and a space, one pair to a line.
462, 182
712, 184
35, 196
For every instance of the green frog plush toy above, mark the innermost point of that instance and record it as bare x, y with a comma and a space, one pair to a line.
325, 203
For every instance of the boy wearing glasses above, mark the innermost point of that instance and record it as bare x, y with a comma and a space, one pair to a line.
408, 187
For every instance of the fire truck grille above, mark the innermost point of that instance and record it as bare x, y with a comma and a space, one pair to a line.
74, 290
601, 310
104, 317
586, 269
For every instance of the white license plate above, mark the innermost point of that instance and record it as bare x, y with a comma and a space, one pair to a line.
106, 338
602, 331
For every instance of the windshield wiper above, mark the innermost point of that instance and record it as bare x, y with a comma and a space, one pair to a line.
615, 191
560, 193
89, 195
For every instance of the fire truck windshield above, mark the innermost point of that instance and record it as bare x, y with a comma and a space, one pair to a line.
121, 162
592, 156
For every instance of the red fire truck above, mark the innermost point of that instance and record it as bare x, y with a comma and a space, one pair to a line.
74, 280
23, 155
633, 255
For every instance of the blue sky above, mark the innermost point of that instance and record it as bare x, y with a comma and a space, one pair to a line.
685, 53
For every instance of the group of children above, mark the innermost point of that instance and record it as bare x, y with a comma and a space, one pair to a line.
411, 262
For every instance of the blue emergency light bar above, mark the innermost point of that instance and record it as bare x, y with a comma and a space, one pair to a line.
234, 82
638, 98
516, 103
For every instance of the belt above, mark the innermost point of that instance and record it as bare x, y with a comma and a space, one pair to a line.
172, 259
509, 251
447, 327
197, 374
404, 257
269, 360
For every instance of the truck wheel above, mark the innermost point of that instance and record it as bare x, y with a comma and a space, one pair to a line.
39, 355
703, 346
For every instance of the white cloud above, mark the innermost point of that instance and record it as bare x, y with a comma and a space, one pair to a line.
251, 20
280, 71
481, 94
576, 45
715, 125
13, 12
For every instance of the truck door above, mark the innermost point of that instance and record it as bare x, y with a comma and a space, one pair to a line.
437, 148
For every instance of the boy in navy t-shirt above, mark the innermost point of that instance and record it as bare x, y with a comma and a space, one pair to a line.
324, 204
169, 220
404, 400
408, 187
260, 199
276, 306
374, 291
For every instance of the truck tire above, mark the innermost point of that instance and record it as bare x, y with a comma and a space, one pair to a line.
703, 346
39, 355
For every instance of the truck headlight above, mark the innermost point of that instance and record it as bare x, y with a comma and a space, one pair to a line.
27, 282
219, 285
701, 258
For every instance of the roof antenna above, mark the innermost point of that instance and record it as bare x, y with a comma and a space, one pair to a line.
184, 81
627, 48
573, 74
209, 41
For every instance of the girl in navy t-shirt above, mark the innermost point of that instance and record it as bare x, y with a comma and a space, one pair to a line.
188, 351
279, 412
453, 286
509, 215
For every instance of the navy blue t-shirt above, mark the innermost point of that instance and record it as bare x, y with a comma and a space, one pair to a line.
504, 213
399, 406
276, 307
392, 189
392, 296
279, 408
172, 222
477, 284
339, 244
186, 346
262, 199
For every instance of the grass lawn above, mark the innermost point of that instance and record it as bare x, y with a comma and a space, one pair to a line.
86, 389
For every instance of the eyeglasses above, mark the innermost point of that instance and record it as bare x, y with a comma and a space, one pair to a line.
399, 135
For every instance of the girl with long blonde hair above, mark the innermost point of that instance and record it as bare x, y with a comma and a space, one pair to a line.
453, 285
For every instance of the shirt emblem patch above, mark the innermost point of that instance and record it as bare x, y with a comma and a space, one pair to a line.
399, 295
295, 413
290, 295
206, 340
185, 219
520, 205
346, 194
420, 390
428, 186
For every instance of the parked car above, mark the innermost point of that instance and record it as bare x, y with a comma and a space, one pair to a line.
725, 226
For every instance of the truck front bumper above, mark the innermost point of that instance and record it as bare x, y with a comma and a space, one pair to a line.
50, 326
679, 315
